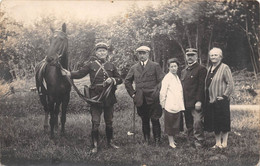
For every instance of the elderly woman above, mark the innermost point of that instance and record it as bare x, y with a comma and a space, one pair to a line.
219, 86
171, 100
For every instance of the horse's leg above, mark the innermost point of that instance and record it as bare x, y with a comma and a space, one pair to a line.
57, 110
52, 115
43, 99
65, 103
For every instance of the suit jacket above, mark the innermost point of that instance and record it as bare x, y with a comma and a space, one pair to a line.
97, 77
147, 82
193, 83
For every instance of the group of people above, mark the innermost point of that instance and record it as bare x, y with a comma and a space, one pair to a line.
203, 96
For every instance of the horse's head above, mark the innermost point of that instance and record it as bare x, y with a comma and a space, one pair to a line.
58, 50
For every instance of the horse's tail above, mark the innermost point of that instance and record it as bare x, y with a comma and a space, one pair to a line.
39, 77
41, 89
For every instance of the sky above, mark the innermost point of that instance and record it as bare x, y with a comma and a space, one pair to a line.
101, 10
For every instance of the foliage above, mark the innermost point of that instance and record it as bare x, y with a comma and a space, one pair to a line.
168, 29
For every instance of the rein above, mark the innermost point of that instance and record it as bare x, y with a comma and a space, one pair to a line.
93, 100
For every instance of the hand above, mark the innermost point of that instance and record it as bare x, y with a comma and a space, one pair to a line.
108, 81
220, 98
198, 105
65, 72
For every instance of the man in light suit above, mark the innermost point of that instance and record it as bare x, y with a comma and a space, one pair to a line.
147, 76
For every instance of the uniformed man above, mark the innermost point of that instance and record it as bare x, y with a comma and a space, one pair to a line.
147, 76
193, 83
102, 73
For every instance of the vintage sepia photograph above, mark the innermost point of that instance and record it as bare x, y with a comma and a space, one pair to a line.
129, 82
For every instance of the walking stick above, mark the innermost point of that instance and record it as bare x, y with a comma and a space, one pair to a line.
129, 133
134, 122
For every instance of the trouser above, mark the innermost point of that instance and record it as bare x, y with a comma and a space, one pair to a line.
96, 112
151, 112
194, 123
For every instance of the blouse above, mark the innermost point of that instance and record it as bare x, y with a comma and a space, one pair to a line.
171, 94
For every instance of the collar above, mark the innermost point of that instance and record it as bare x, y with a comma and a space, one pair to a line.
145, 62
191, 66
192, 63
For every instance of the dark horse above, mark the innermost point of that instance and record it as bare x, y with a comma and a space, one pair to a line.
53, 88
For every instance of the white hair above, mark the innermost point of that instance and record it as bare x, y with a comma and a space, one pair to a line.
216, 50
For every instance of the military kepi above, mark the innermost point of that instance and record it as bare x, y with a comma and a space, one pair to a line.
101, 45
143, 48
191, 51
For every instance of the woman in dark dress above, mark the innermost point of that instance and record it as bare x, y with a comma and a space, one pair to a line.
219, 86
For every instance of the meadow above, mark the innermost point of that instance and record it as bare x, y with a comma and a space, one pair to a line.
24, 142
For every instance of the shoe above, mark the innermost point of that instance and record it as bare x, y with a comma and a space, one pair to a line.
157, 142
198, 144
222, 146
216, 146
173, 146
112, 145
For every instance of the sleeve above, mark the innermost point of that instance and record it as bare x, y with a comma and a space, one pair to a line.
159, 74
201, 84
80, 73
163, 91
129, 82
229, 81
116, 77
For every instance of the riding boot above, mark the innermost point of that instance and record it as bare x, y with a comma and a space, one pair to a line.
95, 139
156, 132
109, 135
146, 132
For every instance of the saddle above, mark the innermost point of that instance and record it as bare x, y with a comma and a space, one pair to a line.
42, 69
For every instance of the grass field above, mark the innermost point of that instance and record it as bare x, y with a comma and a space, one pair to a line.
23, 141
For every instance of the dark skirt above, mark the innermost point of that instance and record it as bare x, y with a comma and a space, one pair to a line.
172, 123
217, 116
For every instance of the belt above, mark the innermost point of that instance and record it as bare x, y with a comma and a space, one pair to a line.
96, 85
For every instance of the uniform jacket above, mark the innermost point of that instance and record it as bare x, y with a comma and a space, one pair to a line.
147, 82
97, 77
193, 83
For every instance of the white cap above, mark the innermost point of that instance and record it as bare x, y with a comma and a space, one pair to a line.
143, 48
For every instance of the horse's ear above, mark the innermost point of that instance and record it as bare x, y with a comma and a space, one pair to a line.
64, 27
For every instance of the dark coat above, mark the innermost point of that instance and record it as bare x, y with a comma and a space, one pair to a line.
193, 83
147, 82
97, 79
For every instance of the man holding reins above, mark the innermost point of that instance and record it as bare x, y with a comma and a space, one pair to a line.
103, 75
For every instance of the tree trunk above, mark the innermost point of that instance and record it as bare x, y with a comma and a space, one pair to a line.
210, 40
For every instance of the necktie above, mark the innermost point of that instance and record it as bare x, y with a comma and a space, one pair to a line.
142, 64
